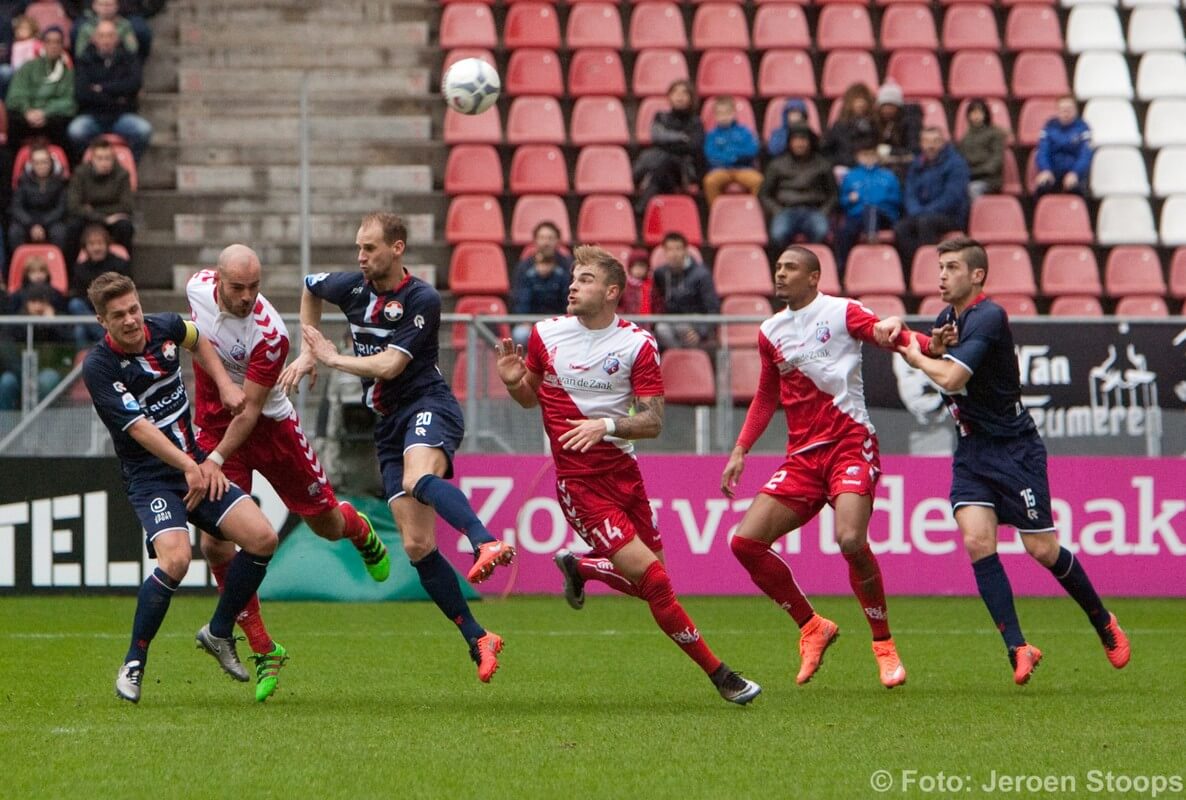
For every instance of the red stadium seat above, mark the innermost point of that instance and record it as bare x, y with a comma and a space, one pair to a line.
774, 114
671, 212
474, 218
781, 25
970, 26
1011, 177
596, 72
1072, 306
606, 218
997, 218
462, 53
924, 271
934, 115
1133, 270
743, 334
873, 269
844, 26
538, 169
643, 119
1039, 74
1033, 27
532, 209
603, 169
657, 24
997, 111
1142, 306
531, 24
784, 73
742, 269
883, 305
908, 25
534, 71
1035, 113
485, 128
1178, 273
659, 255
58, 275
724, 72
478, 268
1071, 270
656, 70
477, 305
535, 120
719, 25
1062, 219
1017, 305
829, 275
976, 73
745, 368
594, 25
1009, 270
467, 25
598, 120
688, 378
473, 169
842, 68
743, 109
931, 306
736, 219
492, 387
916, 71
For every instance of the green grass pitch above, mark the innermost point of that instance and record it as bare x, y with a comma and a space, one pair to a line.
381, 700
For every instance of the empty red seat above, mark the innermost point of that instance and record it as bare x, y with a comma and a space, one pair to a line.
478, 268
532, 209
531, 24
934, 115
743, 334
1070, 269
742, 269
829, 275
1142, 306
873, 269
997, 111
1035, 112
1009, 270
594, 25
931, 306
924, 270
606, 218
908, 25
483, 128
1033, 27
736, 219
883, 305
688, 378
842, 68
976, 73
970, 26
1178, 273
478, 305
474, 218
645, 117
1062, 219
534, 71
596, 72
656, 70
534, 120
467, 25
1132, 270
598, 120
719, 25
462, 53
781, 25
844, 26
659, 255
54, 260
604, 169
745, 368
1039, 74
657, 24
473, 169
1011, 175
538, 169
671, 212
742, 108
784, 73
724, 72
492, 385
997, 218
916, 71
1076, 306
1016, 305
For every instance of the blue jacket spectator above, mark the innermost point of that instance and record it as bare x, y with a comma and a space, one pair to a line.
793, 113
1064, 151
936, 196
728, 146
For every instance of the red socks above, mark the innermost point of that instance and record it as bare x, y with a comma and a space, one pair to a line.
249, 618
356, 529
772, 575
602, 569
655, 589
865, 577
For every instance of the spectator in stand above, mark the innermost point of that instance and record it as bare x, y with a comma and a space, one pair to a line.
545, 246
137, 12
671, 165
936, 196
1064, 151
36, 276
799, 191
54, 349
38, 210
105, 11
898, 125
729, 149
40, 97
636, 299
541, 289
682, 285
26, 45
107, 81
853, 124
100, 192
95, 259
871, 198
983, 147
794, 113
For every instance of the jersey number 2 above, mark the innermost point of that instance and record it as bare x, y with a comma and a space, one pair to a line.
776, 479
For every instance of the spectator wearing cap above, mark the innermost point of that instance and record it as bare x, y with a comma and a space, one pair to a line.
983, 147
107, 80
794, 112
936, 196
871, 198
40, 98
799, 191
898, 126
729, 150
1064, 151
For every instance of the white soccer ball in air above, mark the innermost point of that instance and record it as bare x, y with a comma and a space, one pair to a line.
471, 86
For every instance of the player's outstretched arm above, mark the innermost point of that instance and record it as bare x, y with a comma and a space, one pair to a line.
304, 364
522, 384
948, 374
229, 393
383, 366
243, 424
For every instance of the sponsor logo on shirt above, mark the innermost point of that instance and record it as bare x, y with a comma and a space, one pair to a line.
418, 321
803, 358
313, 280
593, 384
130, 402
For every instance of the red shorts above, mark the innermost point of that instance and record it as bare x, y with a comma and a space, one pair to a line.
608, 510
279, 451
807, 480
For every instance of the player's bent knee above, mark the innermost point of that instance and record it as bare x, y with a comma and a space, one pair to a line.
215, 551
417, 551
1043, 547
850, 540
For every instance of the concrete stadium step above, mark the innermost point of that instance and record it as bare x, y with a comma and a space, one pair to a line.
410, 31
330, 79
271, 227
282, 130
340, 13
232, 104
159, 208
264, 179
285, 279
311, 56
432, 154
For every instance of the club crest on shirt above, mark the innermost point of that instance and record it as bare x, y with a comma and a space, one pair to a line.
611, 365
393, 310
169, 350
238, 352
823, 333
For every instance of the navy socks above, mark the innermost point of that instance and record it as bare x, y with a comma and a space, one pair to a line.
997, 594
440, 581
243, 577
453, 507
1070, 573
151, 606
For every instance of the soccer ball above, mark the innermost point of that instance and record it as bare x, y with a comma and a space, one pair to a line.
471, 86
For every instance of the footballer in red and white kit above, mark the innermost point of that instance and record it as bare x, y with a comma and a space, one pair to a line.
811, 367
585, 371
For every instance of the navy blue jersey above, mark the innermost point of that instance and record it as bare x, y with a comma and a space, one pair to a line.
990, 403
126, 387
406, 318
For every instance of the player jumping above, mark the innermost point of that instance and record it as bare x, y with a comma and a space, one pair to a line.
134, 379
584, 371
252, 344
394, 321
811, 366
999, 471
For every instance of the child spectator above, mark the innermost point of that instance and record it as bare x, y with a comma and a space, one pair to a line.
25, 44
871, 198
729, 149
639, 285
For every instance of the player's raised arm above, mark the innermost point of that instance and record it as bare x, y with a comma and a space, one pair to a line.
304, 364
522, 384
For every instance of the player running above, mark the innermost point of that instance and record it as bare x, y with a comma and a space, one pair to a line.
999, 471
252, 344
134, 379
811, 366
584, 371
394, 321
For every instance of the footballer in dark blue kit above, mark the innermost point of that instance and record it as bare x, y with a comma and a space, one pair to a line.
394, 325
999, 469
135, 382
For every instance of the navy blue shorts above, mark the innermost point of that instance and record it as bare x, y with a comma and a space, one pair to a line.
434, 420
160, 505
1007, 474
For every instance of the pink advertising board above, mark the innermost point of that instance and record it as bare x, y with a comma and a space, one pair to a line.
1125, 518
